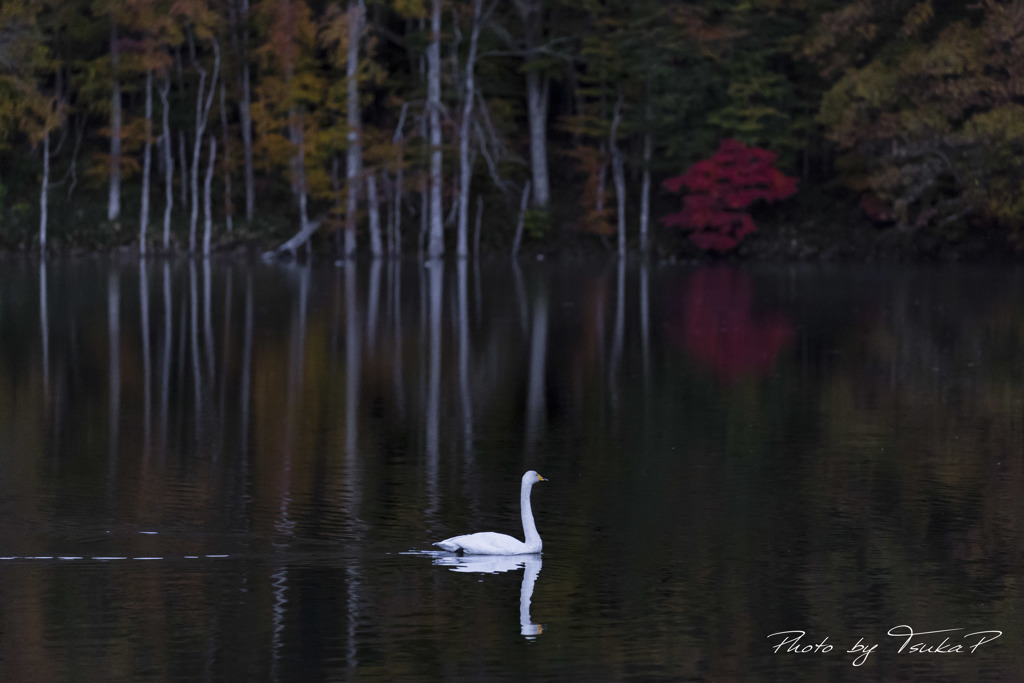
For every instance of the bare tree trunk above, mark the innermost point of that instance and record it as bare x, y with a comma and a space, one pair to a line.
435, 246
537, 89
202, 116
44, 192
645, 183
465, 167
354, 160
207, 213
476, 230
522, 219
376, 248
168, 162
183, 160
146, 163
244, 112
114, 196
399, 143
618, 175
297, 133
229, 208
645, 195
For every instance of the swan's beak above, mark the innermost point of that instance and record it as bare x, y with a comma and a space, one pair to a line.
540, 478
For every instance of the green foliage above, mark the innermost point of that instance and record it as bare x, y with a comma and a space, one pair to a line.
536, 223
933, 113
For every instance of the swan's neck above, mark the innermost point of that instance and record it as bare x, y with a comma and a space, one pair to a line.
529, 528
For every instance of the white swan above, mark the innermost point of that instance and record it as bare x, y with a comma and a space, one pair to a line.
491, 543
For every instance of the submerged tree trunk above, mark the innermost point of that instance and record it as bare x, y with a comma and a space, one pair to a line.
207, 213
518, 239
645, 183
435, 246
202, 116
183, 161
373, 209
537, 89
114, 196
44, 192
165, 89
146, 159
618, 175
296, 132
245, 111
645, 195
465, 167
229, 207
398, 141
354, 160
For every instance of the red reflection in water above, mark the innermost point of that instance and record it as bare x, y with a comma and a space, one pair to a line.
716, 322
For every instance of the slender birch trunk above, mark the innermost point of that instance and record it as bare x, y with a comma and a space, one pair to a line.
183, 161
618, 175
146, 163
645, 196
114, 196
398, 140
435, 246
465, 167
207, 182
645, 182
229, 208
44, 191
538, 86
202, 116
354, 159
244, 111
165, 89
522, 219
373, 209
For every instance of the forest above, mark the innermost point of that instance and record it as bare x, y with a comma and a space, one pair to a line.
751, 128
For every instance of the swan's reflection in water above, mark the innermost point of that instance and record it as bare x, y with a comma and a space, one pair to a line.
496, 564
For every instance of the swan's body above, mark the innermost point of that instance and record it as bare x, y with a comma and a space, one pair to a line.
491, 543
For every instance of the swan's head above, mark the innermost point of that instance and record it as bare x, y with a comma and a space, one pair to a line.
532, 477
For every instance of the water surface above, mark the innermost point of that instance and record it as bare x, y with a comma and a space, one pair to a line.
219, 470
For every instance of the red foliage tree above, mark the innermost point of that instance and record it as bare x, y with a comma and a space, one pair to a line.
731, 180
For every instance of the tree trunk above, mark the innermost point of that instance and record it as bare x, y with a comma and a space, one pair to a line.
645, 195
537, 87
245, 114
435, 246
354, 159
114, 196
618, 175
183, 160
522, 219
229, 208
207, 182
398, 141
645, 183
296, 131
168, 162
465, 167
44, 192
373, 208
146, 159
202, 116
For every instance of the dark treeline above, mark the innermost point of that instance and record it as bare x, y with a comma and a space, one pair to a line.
430, 126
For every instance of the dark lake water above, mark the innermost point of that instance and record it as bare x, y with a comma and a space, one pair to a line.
234, 471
